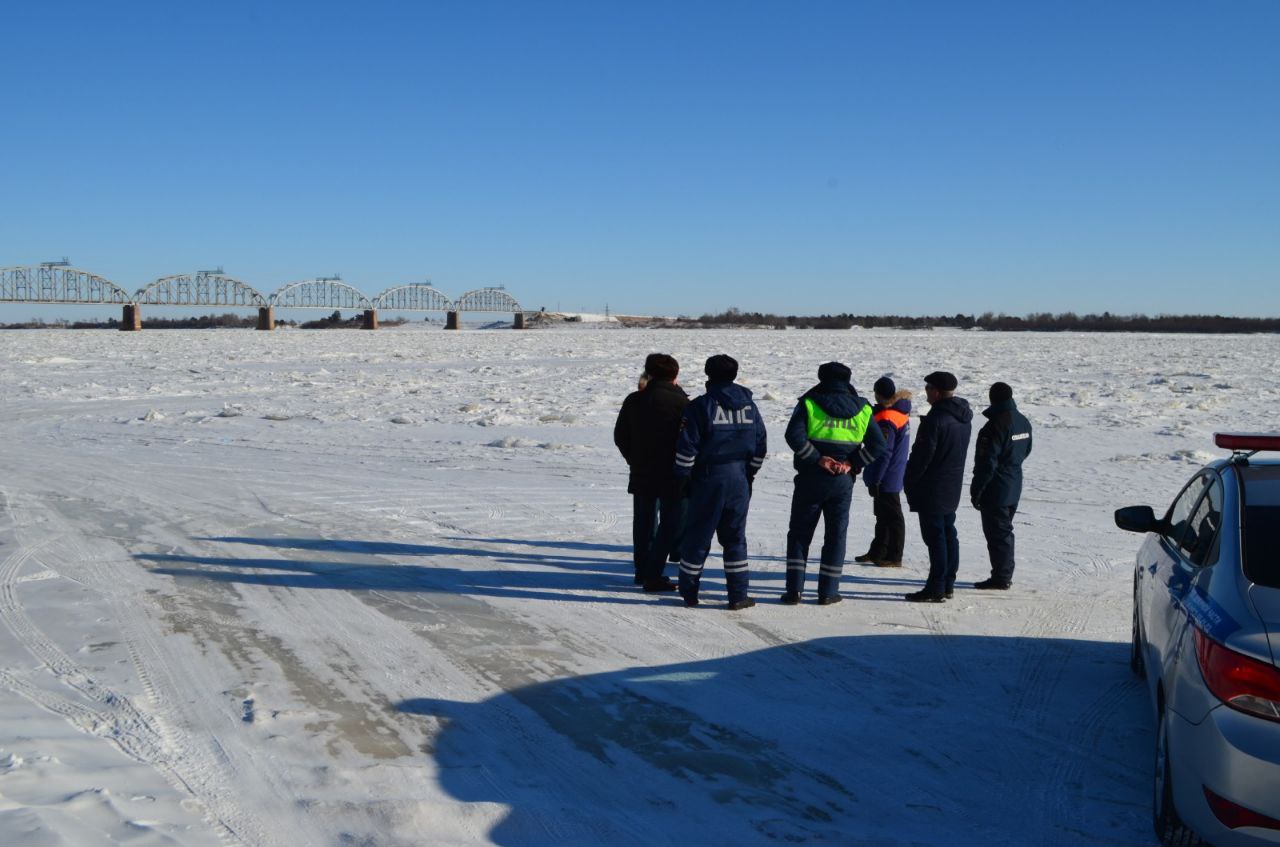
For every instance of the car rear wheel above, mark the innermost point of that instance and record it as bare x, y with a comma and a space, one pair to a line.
1136, 662
1170, 829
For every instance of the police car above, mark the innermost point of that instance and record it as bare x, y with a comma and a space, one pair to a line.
1206, 637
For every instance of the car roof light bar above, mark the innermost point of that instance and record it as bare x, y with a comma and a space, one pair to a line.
1247, 441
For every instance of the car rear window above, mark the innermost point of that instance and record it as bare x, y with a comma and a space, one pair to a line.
1261, 530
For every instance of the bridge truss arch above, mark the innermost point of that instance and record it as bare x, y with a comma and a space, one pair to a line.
55, 282
320, 293
493, 299
202, 288
414, 297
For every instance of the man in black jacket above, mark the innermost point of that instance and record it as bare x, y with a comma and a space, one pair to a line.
935, 479
645, 433
1003, 442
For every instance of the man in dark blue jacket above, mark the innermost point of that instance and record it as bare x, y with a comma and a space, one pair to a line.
831, 437
721, 447
1003, 442
883, 477
934, 480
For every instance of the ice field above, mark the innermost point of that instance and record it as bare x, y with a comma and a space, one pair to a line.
374, 588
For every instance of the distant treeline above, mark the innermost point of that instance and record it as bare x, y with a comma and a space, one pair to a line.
227, 320
336, 321
200, 322
1036, 322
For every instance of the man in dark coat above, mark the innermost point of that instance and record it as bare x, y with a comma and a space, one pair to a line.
831, 437
721, 447
883, 477
1003, 442
645, 433
934, 481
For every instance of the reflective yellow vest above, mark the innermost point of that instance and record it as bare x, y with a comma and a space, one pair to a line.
824, 428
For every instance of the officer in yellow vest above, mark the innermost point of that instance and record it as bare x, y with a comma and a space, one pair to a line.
831, 439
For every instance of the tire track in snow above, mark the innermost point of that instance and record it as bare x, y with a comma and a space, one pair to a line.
1089, 740
108, 714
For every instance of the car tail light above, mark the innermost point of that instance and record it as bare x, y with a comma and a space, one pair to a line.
1242, 682
1234, 816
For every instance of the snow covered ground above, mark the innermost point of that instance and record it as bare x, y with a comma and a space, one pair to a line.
342, 588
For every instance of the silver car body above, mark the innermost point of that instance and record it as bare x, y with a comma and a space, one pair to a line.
1210, 744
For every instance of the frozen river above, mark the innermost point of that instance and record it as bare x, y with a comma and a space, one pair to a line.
347, 588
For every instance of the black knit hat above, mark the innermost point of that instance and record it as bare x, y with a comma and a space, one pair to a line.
1000, 392
942, 381
834, 371
884, 387
661, 367
721, 368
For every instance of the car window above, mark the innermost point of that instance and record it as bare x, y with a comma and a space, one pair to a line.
1200, 539
1180, 512
1260, 529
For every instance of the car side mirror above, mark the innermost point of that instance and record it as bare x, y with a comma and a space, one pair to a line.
1140, 519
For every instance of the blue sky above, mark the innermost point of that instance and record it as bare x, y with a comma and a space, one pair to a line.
913, 157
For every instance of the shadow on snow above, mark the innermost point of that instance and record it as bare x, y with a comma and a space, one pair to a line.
861, 740
577, 573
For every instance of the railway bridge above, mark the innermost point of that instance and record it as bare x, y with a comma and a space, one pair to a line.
60, 283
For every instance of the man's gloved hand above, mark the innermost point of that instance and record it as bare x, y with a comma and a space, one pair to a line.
874, 490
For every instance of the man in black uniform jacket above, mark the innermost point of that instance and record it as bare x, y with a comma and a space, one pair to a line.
645, 433
1003, 442
934, 482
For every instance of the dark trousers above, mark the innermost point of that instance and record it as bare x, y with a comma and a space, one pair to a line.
938, 529
891, 528
997, 526
718, 505
657, 525
827, 497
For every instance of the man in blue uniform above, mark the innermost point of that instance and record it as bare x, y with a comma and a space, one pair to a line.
721, 448
934, 481
831, 438
1003, 442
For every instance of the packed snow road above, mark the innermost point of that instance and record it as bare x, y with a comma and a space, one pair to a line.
375, 588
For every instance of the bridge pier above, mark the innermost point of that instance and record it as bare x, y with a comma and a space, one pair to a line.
131, 319
266, 317
451, 320
519, 321
370, 319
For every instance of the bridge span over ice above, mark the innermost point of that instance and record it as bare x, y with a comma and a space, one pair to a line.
60, 283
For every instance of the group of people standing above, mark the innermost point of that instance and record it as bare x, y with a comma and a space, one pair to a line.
692, 463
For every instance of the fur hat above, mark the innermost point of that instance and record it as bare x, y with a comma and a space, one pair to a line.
942, 381
721, 368
661, 367
834, 371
